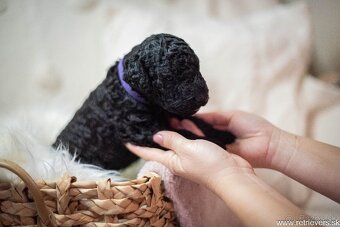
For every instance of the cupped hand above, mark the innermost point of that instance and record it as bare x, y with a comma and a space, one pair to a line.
257, 139
198, 160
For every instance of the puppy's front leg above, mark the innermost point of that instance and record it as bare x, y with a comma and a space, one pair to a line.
213, 134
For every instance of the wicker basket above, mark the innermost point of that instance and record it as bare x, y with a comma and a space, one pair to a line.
139, 202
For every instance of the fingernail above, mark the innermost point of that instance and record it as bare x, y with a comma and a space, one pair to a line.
158, 138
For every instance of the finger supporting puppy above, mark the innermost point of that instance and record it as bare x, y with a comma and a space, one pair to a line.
217, 120
171, 140
190, 126
147, 153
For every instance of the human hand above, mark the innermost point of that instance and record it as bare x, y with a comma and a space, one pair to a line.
257, 139
198, 160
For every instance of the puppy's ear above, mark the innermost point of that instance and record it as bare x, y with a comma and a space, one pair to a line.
136, 74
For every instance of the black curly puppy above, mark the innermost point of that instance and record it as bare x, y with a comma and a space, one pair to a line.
158, 79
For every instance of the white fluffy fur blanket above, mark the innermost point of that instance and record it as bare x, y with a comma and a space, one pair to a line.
27, 145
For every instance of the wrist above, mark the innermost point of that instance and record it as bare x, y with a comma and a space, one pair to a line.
243, 193
284, 148
233, 188
230, 177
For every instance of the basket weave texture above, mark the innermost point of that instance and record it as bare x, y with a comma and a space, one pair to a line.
139, 202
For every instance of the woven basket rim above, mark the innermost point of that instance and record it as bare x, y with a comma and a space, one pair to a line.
66, 201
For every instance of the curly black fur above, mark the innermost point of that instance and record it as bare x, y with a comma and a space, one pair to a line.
165, 71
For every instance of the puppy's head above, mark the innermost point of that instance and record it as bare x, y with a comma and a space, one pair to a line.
165, 71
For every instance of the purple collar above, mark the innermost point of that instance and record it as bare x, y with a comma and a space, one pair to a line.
126, 86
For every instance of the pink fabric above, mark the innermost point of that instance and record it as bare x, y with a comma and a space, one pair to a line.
194, 204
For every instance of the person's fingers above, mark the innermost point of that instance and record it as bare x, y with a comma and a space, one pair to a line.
222, 121
150, 154
185, 124
216, 119
190, 126
171, 140
174, 123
